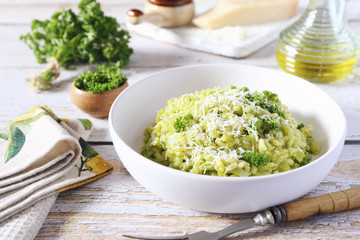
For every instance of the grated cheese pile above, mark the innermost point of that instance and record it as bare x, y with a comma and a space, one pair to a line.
209, 132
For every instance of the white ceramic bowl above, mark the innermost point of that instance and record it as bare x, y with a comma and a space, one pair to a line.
136, 108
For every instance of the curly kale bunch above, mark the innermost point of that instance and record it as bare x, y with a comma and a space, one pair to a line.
107, 78
67, 39
89, 37
104, 40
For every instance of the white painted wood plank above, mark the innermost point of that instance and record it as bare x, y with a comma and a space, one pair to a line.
22, 12
17, 98
147, 52
117, 204
17, 62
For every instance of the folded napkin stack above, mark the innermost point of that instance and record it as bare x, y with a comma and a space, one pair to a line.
40, 156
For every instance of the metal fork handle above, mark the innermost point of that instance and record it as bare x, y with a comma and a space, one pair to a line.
156, 238
236, 227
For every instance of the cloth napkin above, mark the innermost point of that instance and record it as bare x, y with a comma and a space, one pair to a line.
40, 156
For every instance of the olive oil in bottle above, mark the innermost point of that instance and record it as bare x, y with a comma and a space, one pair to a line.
319, 47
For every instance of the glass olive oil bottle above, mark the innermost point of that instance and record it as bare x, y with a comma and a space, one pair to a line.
319, 47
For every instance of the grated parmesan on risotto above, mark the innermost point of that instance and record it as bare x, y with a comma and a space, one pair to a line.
229, 132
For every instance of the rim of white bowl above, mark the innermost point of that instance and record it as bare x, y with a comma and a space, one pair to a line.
224, 178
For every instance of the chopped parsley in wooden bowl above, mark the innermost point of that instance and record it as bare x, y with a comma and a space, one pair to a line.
107, 78
94, 92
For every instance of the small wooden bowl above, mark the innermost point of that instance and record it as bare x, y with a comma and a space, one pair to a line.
96, 105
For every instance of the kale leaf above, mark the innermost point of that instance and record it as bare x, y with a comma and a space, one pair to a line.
306, 160
271, 96
256, 159
264, 126
300, 126
180, 122
89, 37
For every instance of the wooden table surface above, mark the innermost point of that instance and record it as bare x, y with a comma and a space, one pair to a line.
117, 204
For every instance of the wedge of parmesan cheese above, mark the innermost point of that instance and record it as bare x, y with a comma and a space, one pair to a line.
246, 12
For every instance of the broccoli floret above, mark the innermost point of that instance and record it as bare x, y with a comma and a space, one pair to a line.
188, 117
180, 122
271, 108
306, 160
179, 125
253, 98
265, 125
244, 89
259, 101
300, 126
270, 124
271, 96
256, 159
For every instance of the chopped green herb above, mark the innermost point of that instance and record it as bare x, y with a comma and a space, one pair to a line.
180, 122
188, 117
260, 102
256, 159
306, 160
253, 98
271, 124
275, 109
110, 77
271, 108
265, 125
232, 87
179, 125
244, 89
271, 96
300, 126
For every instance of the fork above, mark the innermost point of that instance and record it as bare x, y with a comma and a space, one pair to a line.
203, 235
323, 204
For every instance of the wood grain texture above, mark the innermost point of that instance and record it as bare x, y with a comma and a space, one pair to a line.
20, 99
117, 204
323, 204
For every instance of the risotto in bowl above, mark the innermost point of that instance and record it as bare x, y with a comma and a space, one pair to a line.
227, 138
